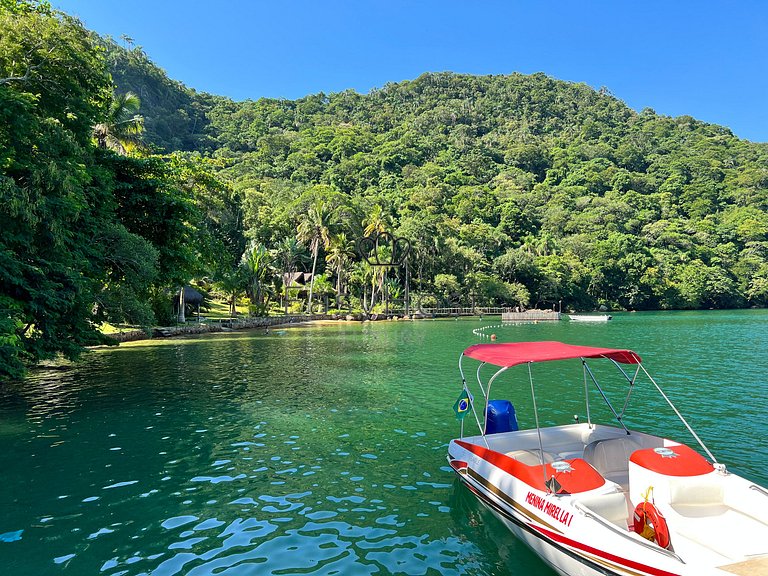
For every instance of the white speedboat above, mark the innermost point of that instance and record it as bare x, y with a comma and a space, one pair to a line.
589, 317
597, 499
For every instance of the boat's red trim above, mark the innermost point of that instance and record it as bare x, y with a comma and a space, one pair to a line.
559, 538
459, 465
679, 460
603, 565
580, 478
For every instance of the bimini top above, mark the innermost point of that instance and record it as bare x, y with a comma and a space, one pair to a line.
508, 354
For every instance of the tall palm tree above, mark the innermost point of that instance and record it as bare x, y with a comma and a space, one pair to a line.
314, 229
122, 126
340, 254
288, 254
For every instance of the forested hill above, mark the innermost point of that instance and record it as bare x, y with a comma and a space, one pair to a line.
524, 179
513, 190
174, 115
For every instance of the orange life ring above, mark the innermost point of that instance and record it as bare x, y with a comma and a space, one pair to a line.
651, 524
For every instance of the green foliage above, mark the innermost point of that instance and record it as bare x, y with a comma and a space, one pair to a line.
86, 235
512, 190
533, 181
120, 130
175, 118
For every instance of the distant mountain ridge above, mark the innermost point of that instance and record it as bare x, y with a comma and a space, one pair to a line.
525, 178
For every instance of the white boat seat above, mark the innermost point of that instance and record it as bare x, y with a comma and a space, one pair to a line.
532, 457
613, 507
610, 457
696, 491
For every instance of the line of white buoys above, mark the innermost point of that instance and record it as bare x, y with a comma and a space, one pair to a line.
481, 332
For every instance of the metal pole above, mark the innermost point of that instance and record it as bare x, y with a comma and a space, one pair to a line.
386, 292
586, 393
701, 443
407, 293
538, 429
605, 398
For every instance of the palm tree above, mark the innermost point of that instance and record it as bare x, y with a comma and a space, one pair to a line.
288, 254
122, 125
256, 264
324, 287
375, 221
314, 229
340, 253
231, 282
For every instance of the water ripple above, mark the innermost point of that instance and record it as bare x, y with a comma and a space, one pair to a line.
314, 452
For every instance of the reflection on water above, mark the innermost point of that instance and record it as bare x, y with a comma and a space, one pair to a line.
315, 451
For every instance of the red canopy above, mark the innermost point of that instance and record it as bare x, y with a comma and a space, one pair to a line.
508, 354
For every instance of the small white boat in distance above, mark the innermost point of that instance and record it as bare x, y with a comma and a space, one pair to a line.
596, 499
589, 317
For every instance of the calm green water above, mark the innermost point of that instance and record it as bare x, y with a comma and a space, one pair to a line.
319, 450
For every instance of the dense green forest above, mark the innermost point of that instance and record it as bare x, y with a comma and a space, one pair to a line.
513, 190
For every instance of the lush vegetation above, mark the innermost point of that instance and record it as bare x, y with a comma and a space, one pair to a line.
87, 235
513, 190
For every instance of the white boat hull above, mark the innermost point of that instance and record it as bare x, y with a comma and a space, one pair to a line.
589, 532
589, 318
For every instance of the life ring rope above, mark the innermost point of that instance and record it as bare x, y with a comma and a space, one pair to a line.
649, 522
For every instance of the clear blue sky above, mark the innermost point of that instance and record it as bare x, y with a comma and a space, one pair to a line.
705, 58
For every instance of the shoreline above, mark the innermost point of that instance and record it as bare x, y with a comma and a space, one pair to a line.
212, 327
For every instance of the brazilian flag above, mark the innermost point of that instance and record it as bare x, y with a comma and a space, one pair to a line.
463, 405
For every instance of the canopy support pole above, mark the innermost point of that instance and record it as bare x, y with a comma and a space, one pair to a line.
701, 443
538, 428
487, 399
472, 404
631, 385
480, 382
605, 398
586, 393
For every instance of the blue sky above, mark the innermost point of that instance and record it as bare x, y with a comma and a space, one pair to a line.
708, 59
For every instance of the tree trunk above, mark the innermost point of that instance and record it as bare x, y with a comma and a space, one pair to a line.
338, 290
312, 281
182, 305
285, 289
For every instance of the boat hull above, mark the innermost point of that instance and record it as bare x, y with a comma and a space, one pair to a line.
586, 527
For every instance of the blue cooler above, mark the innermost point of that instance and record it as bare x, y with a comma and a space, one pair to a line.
500, 417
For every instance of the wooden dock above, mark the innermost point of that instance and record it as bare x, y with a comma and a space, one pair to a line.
531, 316
507, 315
450, 312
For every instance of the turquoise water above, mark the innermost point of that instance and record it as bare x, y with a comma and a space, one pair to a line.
321, 450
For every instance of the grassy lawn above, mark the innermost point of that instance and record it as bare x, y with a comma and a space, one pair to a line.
218, 309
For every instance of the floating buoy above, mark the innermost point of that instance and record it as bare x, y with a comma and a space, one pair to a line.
493, 336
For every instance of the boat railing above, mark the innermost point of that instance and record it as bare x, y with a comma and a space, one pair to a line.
759, 489
624, 533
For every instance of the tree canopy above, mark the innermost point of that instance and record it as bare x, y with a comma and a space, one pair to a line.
512, 190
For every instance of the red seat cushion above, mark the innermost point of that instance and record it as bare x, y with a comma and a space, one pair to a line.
677, 460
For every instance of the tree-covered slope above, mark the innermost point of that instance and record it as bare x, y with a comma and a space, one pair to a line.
87, 235
524, 178
175, 116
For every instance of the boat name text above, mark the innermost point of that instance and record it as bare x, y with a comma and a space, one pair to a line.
549, 508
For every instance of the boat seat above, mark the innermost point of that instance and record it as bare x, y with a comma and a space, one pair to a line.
613, 507
696, 492
532, 457
610, 457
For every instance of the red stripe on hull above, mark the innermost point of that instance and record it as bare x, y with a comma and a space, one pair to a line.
603, 554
